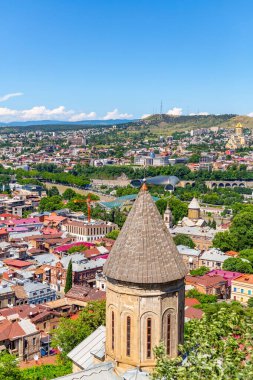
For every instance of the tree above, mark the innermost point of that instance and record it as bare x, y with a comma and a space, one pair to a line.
69, 194
181, 239
216, 348
53, 191
199, 271
72, 332
47, 372
194, 158
77, 248
202, 298
113, 234
69, 278
236, 264
9, 367
51, 203
250, 302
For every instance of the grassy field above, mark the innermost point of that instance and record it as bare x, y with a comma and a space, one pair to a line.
166, 125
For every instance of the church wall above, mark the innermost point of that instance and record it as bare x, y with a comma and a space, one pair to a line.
140, 304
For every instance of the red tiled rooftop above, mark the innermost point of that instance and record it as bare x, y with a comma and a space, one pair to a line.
192, 313
191, 302
17, 263
204, 280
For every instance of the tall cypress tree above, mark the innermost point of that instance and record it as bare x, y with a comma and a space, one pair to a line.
68, 285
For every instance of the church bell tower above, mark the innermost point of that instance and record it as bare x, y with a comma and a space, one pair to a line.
145, 289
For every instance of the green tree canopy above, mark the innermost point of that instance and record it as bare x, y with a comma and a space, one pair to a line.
53, 191
236, 264
71, 332
51, 203
181, 239
113, 234
215, 348
69, 278
69, 194
199, 271
9, 367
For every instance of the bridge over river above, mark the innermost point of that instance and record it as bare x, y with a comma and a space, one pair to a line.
221, 184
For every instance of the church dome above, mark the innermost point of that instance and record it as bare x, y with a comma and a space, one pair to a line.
194, 204
144, 252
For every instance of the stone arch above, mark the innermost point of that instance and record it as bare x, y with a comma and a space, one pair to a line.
169, 331
214, 184
228, 184
155, 328
133, 334
168, 187
242, 184
234, 184
112, 342
221, 184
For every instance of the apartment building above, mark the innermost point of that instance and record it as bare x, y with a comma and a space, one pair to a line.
242, 288
85, 231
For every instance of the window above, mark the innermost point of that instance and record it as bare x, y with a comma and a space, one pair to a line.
113, 329
249, 292
242, 290
168, 333
34, 341
149, 337
235, 289
128, 337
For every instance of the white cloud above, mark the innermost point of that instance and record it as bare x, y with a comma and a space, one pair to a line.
145, 115
175, 111
199, 114
111, 115
43, 113
83, 116
9, 96
250, 114
37, 113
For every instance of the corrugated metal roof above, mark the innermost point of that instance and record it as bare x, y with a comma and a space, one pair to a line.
81, 354
103, 371
27, 326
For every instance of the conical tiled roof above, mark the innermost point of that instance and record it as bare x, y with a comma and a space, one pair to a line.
194, 204
144, 252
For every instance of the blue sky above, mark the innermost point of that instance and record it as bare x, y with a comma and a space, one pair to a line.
80, 59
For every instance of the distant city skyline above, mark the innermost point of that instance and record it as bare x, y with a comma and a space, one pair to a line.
87, 60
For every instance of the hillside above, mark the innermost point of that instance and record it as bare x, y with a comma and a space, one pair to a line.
166, 124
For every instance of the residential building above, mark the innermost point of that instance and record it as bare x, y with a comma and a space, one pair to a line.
20, 337
213, 258
34, 293
201, 236
7, 296
212, 285
190, 256
242, 288
227, 275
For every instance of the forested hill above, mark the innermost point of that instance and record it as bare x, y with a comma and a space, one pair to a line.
166, 124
